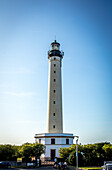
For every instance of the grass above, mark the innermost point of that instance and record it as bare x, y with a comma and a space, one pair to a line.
90, 168
24, 167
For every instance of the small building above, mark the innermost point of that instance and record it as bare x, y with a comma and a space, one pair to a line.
53, 142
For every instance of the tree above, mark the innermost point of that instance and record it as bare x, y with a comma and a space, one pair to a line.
64, 153
72, 157
88, 155
70, 154
108, 151
26, 152
8, 153
37, 150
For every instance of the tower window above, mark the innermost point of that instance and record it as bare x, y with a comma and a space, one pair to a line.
53, 114
52, 141
54, 65
54, 126
54, 102
54, 91
54, 71
67, 141
54, 80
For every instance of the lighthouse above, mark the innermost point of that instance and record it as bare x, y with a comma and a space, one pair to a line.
55, 116
54, 139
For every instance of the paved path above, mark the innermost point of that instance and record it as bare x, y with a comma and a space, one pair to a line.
40, 168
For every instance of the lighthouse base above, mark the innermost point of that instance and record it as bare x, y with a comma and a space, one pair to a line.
53, 142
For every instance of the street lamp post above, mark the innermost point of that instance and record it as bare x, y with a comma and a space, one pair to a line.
77, 137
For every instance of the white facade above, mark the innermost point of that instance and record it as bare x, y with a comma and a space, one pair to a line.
61, 141
55, 96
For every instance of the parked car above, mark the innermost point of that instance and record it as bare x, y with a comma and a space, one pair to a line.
107, 162
108, 167
5, 165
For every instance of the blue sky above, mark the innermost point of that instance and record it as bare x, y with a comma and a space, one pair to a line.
84, 30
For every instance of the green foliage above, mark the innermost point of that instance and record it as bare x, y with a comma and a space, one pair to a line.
88, 155
26, 151
31, 150
37, 150
8, 152
108, 151
72, 158
64, 153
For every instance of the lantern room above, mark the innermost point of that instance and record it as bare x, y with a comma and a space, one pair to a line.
55, 50
55, 46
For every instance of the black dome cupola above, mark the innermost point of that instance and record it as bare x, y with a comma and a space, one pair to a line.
55, 50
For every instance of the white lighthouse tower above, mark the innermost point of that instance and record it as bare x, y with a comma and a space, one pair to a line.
55, 117
54, 138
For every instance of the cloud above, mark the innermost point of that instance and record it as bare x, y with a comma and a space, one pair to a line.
24, 94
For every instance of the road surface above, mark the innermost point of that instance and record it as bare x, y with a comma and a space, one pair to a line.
40, 168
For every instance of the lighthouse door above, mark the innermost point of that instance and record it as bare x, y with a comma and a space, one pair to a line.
53, 154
